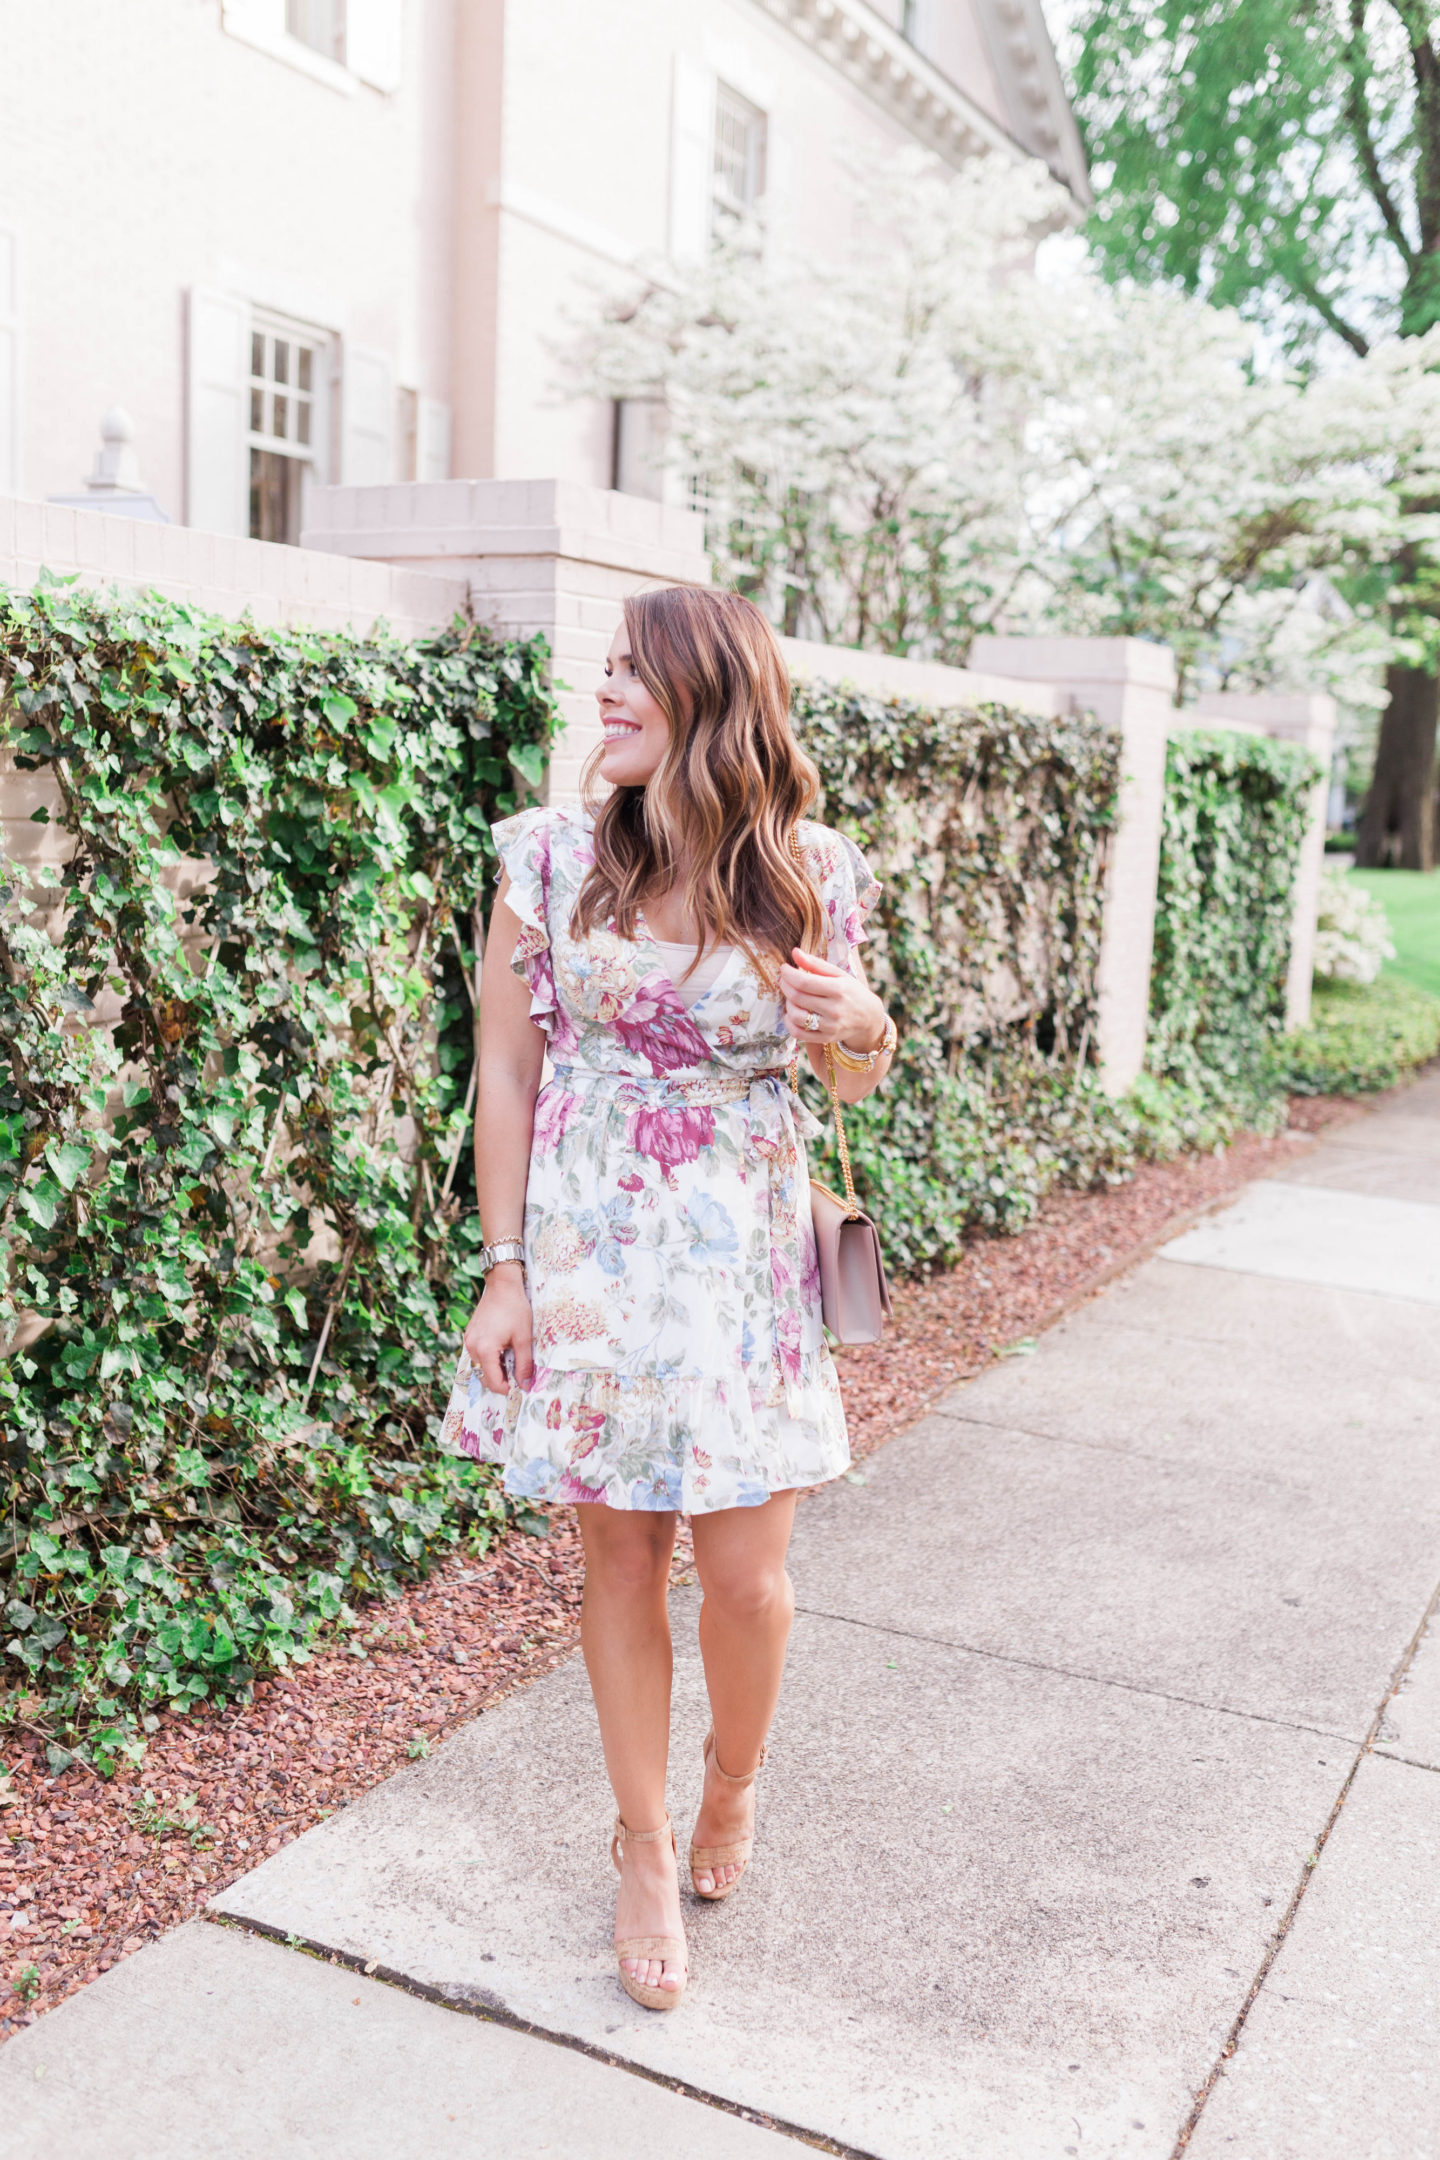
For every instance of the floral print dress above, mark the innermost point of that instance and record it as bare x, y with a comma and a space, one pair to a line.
680, 1360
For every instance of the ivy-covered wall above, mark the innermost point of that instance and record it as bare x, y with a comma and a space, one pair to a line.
988, 831
240, 1206
1234, 818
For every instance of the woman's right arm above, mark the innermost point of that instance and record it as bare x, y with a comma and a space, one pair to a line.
512, 1056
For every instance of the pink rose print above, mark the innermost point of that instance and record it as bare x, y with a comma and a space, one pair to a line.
782, 1275
810, 1280
660, 1030
669, 1137
629, 1182
553, 1113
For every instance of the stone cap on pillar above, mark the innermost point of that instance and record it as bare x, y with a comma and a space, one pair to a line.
432, 520
1301, 716
1078, 661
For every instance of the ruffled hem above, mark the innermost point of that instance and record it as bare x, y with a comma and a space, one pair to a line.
630, 1440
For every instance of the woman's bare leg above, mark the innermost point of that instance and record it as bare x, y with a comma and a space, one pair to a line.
625, 1634
744, 1628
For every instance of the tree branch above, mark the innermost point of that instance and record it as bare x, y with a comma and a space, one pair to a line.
1329, 314
1357, 112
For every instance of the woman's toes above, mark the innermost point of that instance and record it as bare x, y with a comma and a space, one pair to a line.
705, 1882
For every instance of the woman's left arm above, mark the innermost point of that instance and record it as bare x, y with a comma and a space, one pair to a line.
847, 1010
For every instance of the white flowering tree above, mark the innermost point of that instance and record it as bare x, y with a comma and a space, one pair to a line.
925, 440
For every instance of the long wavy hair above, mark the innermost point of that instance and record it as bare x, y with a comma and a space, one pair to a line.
728, 794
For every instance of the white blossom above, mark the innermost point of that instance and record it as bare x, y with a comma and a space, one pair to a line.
924, 440
1352, 936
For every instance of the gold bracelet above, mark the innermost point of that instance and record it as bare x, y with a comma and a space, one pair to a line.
868, 1059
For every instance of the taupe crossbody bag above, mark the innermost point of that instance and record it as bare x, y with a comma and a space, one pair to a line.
854, 1294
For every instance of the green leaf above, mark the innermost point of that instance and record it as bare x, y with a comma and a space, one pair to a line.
69, 1163
529, 759
338, 709
41, 1202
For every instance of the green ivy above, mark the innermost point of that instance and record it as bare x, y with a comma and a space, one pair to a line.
988, 831
1235, 813
234, 1182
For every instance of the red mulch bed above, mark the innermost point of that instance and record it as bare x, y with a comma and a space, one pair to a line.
91, 1871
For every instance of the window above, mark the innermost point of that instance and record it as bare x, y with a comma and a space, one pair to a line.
285, 390
320, 24
739, 158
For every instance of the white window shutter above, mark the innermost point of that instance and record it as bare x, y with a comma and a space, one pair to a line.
375, 41
9, 368
432, 440
217, 464
367, 418
692, 159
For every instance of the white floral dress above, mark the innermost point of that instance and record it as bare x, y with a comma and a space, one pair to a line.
680, 1360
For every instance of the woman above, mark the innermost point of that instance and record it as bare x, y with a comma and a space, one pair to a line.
649, 1340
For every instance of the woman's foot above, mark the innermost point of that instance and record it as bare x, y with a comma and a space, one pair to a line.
648, 1905
726, 1820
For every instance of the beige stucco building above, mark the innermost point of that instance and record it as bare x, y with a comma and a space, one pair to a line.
340, 240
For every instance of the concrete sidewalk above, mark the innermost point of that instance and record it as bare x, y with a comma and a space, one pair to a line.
1091, 1795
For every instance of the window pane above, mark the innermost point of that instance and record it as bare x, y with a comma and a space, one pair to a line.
282, 360
739, 150
257, 353
318, 23
275, 483
302, 421
282, 417
305, 358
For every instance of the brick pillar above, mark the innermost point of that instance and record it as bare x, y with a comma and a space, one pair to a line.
1307, 718
1131, 685
539, 555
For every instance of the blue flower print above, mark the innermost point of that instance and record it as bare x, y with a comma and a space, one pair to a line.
611, 1226
711, 1227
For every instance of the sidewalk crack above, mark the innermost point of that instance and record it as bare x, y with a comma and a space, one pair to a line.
1307, 1873
490, 2010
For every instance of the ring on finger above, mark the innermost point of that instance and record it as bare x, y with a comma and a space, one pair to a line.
812, 1021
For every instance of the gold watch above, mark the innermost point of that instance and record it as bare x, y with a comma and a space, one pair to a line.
867, 1060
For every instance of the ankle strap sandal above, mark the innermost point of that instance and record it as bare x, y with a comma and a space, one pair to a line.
705, 1859
671, 1949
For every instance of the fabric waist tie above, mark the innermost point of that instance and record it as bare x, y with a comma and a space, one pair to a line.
766, 1095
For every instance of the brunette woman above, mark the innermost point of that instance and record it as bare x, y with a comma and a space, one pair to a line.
649, 1341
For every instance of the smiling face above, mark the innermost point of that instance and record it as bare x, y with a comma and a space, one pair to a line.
636, 729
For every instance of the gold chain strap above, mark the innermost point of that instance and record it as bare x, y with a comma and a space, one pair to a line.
832, 1081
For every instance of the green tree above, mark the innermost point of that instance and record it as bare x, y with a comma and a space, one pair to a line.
1283, 157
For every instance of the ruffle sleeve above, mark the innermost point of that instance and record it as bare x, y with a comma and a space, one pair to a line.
848, 888
525, 846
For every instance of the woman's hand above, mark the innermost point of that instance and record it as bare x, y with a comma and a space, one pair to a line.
846, 1010
501, 1322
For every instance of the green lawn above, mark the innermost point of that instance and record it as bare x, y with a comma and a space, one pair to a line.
1411, 900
